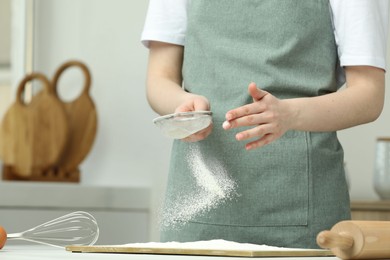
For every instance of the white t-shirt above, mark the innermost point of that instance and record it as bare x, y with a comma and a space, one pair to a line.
360, 28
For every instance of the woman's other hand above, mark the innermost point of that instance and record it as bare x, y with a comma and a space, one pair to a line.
360, 102
267, 116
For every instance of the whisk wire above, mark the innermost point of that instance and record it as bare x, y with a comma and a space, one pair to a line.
77, 228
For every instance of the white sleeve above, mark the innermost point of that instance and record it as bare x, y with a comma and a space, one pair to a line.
166, 21
361, 31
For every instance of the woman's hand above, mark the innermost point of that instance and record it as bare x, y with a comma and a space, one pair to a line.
267, 115
360, 102
164, 91
196, 103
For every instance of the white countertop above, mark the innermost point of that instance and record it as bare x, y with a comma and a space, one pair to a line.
72, 195
34, 252
122, 212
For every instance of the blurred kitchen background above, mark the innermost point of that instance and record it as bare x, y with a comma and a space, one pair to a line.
123, 178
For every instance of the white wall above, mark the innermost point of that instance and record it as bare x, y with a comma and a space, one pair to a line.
129, 150
105, 34
5, 32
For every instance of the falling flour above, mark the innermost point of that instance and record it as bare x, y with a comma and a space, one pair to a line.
213, 187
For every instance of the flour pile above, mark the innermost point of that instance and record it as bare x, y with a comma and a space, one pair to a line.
218, 244
214, 186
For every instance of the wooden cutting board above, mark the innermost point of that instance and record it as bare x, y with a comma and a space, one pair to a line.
285, 252
33, 135
82, 117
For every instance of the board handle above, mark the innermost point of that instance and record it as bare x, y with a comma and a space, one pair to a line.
74, 63
33, 76
328, 239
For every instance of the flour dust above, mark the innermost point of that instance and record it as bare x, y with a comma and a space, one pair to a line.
213, 187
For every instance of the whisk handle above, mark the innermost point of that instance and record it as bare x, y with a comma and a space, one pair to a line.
14, 236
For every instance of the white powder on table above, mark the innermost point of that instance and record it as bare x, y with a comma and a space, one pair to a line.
214, 186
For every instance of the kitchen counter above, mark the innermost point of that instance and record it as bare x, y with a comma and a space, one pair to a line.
32, 252
371, 210
122, 213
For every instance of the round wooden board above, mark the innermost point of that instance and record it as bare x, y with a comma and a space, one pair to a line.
34, 135
82, 118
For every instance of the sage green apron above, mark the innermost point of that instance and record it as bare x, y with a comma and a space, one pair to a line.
293, 188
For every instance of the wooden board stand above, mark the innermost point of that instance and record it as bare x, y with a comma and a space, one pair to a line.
49, 175
47, 139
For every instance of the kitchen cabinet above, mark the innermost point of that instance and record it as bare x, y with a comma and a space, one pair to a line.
371, 210
122, 213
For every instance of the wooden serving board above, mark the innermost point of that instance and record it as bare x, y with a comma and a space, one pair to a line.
35, 134
82, 118
202, 252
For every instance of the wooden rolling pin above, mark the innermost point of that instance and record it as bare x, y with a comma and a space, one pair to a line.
357, 239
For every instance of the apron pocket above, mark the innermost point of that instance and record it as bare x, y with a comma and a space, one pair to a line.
272, 183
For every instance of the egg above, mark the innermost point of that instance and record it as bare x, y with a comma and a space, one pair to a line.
3, 237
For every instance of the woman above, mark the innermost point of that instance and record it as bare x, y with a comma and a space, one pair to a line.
271, 72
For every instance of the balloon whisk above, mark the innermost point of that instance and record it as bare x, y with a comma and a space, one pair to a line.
77, 228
